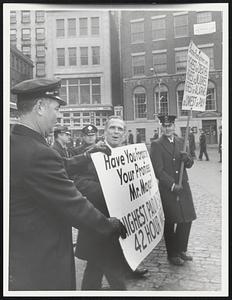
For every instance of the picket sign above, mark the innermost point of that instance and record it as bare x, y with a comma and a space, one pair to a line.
131, 193
195, 90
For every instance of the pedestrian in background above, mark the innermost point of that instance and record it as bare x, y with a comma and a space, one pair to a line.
220, 144
156, 135
166, 157
138, 137
192, 145
130, 137
61, 138
44, 203
203, 145
103, 257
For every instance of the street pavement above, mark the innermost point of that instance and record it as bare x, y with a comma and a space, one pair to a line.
204, 272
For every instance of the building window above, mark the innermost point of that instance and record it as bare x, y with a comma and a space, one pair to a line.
180, 94
40, 33
137, 32
138, 65
158, 29
84, 55
13, 35
81, 91
161, 99
26, 34
39, 16
210, 53
26, 50
71, 27
83, 22
160, 62
181, 61
181, 25
12, 17
40, 50
96, 55
60, 56
204, 17
72, 53
60, 27
95, 26
140, 102
211, 97
25, 16
40, 69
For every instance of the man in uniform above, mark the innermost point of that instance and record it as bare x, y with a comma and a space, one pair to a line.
103, 257
89, 137
166, 156
44, 202
62, 138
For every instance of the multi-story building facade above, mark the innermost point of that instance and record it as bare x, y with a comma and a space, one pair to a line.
79, 52
154, 47
21, 68
80, 47
28, 33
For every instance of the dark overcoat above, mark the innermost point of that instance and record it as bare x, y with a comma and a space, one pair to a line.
89, 246
165, 157
61, 150
44, 205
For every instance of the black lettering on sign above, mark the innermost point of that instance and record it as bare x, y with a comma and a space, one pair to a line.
139, 241
134, 193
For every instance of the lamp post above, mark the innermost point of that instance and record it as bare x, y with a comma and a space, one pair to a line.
159, 81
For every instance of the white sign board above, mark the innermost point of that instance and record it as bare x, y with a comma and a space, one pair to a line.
204, 28
196, 81
131, 192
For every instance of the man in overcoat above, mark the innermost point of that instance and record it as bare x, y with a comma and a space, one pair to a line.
203, 145
103, 257
166, 156
192, 146
44, 202
61, 139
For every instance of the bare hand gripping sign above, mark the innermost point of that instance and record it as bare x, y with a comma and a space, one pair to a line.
196, 82
131, 193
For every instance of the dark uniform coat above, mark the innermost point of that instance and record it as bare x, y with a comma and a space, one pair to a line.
165, 157
44, 205
89, 246
61, 150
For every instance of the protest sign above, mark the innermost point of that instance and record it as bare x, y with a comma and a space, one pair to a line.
196, 81
131, 192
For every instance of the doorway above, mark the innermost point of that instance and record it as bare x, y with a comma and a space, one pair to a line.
210, 128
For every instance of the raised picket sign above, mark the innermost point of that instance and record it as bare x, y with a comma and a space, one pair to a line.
196, 82
131, 192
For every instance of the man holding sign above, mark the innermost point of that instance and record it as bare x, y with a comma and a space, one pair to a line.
104, 257
179, 212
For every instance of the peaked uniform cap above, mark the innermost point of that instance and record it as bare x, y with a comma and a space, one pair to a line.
89, 130
47, 87
166, 119
61, 129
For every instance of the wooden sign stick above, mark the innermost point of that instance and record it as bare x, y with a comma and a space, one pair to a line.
184, 149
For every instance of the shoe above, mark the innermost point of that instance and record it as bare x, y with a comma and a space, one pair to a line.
184, 256
137, 273
207, 159
199, 158
176, 260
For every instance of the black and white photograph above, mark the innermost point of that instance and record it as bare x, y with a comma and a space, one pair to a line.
115, 146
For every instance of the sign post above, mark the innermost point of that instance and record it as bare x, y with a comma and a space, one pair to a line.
195, 91
131, 193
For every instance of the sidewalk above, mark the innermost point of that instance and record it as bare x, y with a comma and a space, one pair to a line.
204, 273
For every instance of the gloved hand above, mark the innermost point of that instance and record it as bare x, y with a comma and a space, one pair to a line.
177, 188
120, 229
100, 147
184, 156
